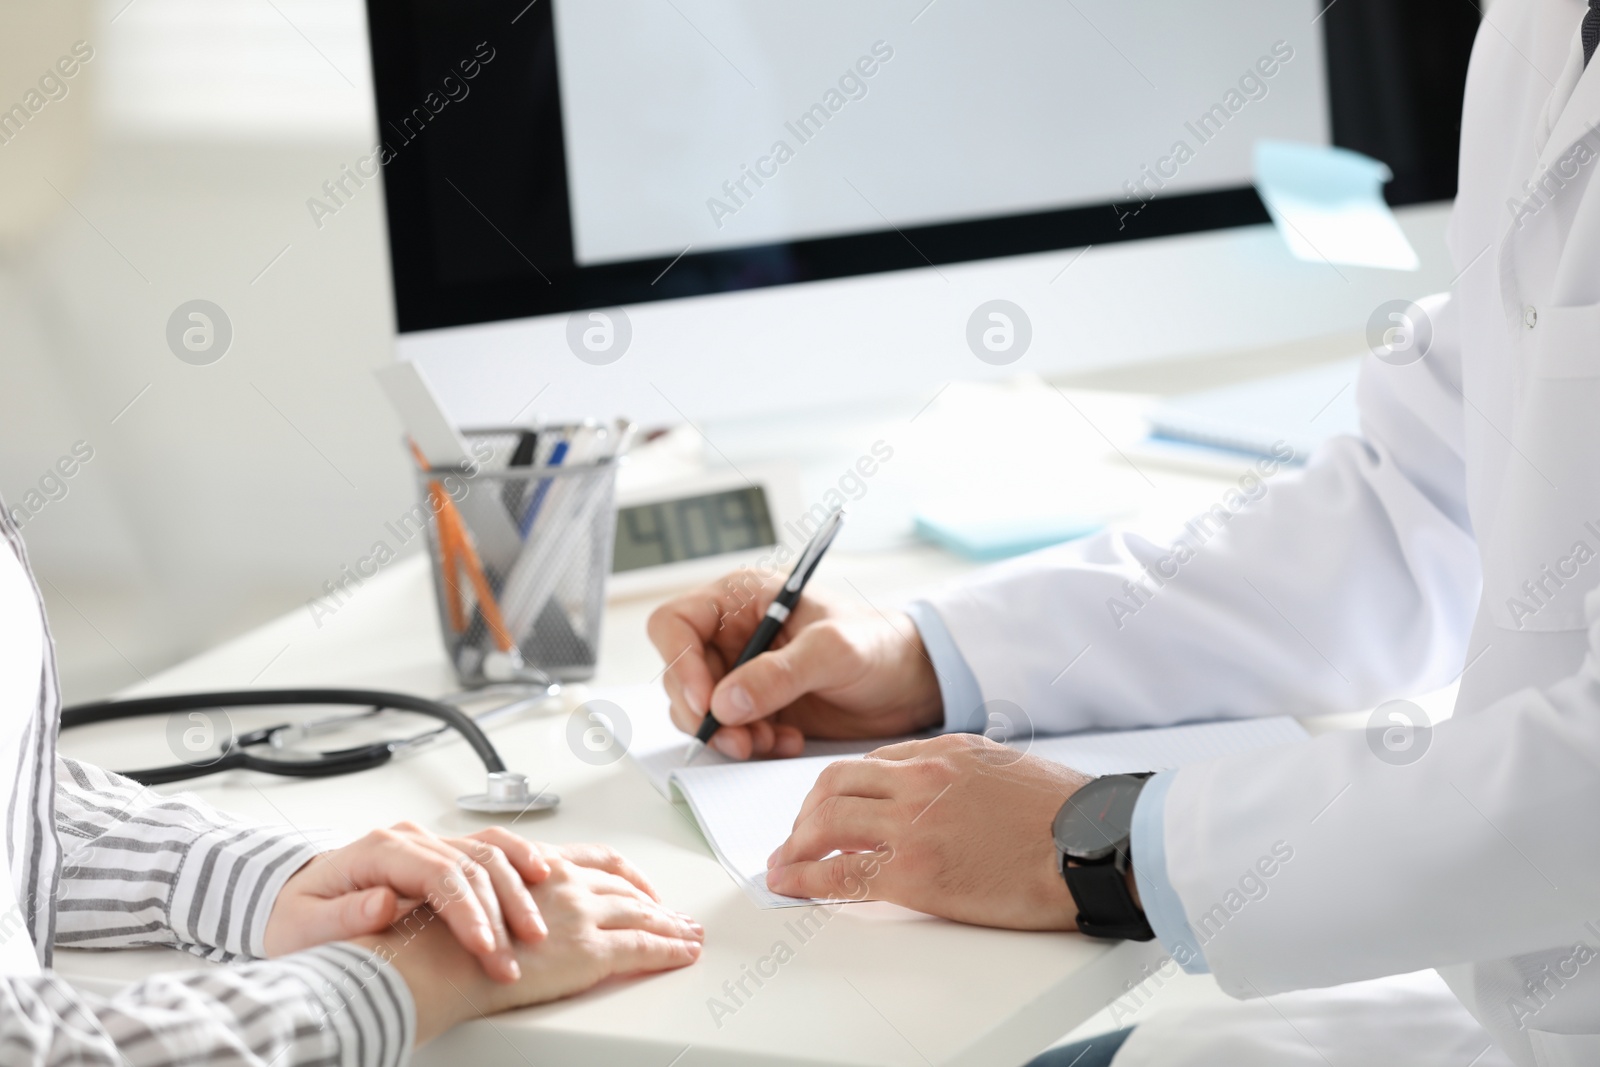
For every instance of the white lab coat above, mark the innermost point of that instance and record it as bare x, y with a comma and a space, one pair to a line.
1393, 560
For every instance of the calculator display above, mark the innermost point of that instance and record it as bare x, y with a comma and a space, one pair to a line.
671, 531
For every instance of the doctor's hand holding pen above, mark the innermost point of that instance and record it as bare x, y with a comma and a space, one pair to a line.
833, 671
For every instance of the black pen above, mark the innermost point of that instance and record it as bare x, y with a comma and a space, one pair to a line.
777, 613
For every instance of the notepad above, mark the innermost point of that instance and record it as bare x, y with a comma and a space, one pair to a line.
658, 748
746, 810
1265, 417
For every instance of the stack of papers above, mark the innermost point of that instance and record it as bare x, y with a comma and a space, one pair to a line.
746, 810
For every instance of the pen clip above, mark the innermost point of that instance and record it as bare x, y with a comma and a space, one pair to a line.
813, 553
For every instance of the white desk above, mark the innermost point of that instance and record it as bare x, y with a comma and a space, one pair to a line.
877, 985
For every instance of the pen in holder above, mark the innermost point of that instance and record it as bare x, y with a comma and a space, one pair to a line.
521, 548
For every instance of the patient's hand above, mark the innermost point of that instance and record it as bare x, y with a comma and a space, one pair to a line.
600, 926
834, 670
478, 884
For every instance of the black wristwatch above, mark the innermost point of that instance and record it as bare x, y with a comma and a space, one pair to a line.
1091, 832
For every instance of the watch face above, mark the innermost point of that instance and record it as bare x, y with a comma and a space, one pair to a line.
1096, 819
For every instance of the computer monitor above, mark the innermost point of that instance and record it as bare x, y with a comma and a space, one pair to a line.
790, 199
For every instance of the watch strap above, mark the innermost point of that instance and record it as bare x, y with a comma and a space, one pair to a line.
1105, 906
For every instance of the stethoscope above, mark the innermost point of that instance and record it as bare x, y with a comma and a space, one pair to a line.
506, 792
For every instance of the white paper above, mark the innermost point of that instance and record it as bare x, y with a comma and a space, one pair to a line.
658, 748
746, 810
422, 415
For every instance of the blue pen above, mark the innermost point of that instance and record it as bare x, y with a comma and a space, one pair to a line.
557, 454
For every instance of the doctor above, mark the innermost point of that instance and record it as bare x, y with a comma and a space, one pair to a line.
1459, 534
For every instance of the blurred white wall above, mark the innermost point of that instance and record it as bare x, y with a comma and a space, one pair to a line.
216, 495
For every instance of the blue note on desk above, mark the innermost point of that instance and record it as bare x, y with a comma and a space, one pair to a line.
986, 534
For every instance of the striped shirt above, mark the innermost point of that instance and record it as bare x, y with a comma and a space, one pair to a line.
97, 861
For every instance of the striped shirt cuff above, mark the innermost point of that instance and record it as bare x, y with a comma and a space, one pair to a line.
228, 880
360, 1000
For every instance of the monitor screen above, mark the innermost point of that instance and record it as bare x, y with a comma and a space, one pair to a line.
834, 120
544, 157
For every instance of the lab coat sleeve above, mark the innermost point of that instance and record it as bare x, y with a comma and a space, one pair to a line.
333, 1006
1343, 858
140, 868
1298, 592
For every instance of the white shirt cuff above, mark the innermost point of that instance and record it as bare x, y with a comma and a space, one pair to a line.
1162, 906
958, 686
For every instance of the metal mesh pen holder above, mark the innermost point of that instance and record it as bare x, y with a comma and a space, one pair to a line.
521, 600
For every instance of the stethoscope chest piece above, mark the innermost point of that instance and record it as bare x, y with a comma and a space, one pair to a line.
508, 792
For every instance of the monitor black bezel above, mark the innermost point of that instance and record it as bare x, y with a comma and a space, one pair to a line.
1407, 114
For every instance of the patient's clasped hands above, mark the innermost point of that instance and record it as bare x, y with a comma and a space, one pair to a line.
485, 922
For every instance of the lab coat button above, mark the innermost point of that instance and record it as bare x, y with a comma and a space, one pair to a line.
1530, 316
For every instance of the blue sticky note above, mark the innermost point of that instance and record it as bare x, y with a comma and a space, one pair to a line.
1328, 205
990, 537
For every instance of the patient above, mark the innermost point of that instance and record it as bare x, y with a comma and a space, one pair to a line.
350, 956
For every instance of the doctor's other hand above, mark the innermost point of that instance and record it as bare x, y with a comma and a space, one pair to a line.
478, 884
600, 926
957, 826
834, 671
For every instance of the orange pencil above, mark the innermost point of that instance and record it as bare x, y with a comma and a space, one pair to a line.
453, 533
480, 581
449, 559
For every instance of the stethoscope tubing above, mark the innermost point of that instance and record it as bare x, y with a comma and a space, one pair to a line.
237, 756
